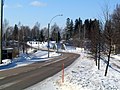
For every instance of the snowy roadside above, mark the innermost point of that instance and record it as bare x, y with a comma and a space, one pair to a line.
82, 75
26, 59
5, 62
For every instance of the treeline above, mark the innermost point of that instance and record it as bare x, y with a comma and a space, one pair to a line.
22, 33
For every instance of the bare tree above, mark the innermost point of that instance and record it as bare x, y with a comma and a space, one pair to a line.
95, 40
108, 35
5, 26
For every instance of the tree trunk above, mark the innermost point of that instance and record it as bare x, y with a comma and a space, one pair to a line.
96, 55
99, 47
108, 61
99, 57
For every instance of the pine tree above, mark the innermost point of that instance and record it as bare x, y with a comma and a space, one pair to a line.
68, 29
15, 32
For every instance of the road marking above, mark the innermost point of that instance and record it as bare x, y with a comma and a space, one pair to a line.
8, 84
2, 77
53, 62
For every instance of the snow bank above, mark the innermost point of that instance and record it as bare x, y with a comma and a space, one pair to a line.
82, 75
5, 62
116, 56
26, 59
37, 44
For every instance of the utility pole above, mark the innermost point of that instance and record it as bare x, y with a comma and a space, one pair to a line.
1, 30
48, 31
19, 26
39, 38
23, 39
48, 39
57, 41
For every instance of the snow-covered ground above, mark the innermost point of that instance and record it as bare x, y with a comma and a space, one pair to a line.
25, 59
83, 75
37, 44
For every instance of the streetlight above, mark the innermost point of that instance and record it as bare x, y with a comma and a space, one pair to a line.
57, 40
2, 3
48, 31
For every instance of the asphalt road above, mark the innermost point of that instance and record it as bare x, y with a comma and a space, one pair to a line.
23, 77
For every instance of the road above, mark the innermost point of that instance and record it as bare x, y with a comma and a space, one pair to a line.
23, 77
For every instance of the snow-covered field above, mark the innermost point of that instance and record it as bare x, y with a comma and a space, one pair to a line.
83, 75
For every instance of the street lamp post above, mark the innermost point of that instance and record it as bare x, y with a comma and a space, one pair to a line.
48, 31
2, 3
57, 40
48, 38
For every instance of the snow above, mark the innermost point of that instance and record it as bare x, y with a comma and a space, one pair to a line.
116, 56
37, 44
82, 75
26, 59
5, 62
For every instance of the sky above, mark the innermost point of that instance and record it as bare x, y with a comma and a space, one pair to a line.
28, 12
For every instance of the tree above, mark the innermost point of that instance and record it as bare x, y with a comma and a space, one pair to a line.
15, 32
9, 33
108, 41
76, 27
71, 28
80, 29
87, 28
78, 33
100, 42
4, 33
59, 36
116, 26
55, 36
108, 35
42, 37
24, 36
35, 31
27, 33
55, 33
45, 33
5, 25
95, 40
68, 29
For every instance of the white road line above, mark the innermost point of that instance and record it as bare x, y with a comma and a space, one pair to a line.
2, 77
8, 84
53, 62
